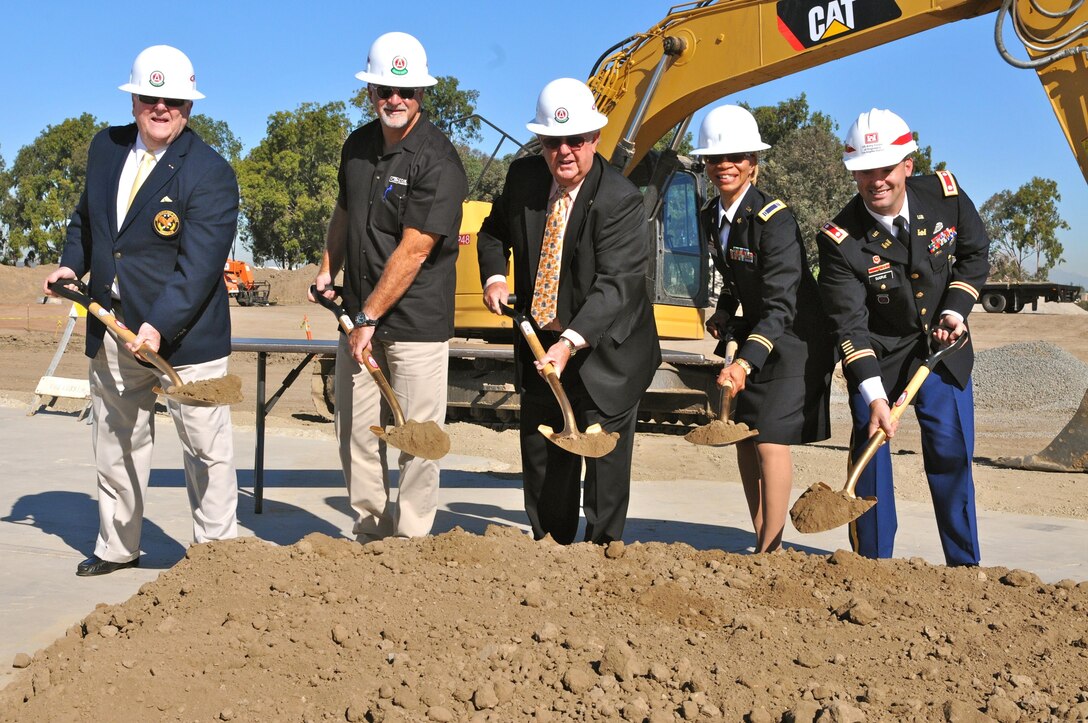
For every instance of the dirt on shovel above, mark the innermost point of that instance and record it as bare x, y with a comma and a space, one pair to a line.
821, 508
419, 439
594, 442
224, 390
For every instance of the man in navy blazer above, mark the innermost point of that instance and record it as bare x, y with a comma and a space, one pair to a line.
154, 227
601, 337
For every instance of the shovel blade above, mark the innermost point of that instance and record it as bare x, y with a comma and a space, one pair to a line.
821, 508
594, 443
420, 439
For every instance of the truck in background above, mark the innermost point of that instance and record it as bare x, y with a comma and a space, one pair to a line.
1012, 296
242, 287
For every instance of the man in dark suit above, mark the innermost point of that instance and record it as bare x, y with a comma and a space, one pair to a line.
154, 226
582, 247
900, 269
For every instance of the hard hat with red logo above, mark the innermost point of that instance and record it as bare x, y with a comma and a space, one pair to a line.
565, 108
878, 138
163, 72
729, 129
397, 60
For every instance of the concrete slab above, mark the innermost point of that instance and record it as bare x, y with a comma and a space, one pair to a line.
49, 519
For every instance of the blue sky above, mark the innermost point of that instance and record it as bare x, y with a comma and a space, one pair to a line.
989, 121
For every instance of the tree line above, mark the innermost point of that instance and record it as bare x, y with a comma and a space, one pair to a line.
288, 181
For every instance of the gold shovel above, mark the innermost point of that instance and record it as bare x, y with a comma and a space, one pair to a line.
820, 508
594, 442
199, 393
419, 439
721, 431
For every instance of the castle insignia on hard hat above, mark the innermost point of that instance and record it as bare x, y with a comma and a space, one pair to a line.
834, 232
948, 183
771, 209
166, 223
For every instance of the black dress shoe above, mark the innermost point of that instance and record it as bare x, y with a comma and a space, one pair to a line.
95, 565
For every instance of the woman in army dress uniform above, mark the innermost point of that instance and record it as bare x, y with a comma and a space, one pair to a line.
770, 306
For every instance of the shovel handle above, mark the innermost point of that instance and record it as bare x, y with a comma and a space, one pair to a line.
726, 399
75, 290
369, 361
915, 383
526, 326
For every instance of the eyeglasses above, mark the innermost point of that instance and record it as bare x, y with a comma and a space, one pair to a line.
573, 142
168, 102
733, 158
386, 92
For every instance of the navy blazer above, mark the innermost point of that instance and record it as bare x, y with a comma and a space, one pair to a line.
607, 252
169, 253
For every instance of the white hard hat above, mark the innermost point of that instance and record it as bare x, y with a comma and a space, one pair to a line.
878, 138
164, 72
564, 108
729, 129
397, 60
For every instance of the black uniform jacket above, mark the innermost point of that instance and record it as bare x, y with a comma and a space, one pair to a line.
607, 249
169, 253
782, 331
884, 300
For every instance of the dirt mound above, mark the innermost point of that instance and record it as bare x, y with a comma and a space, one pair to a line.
287, 287
499, 628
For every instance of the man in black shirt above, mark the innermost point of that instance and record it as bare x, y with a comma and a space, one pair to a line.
394, 233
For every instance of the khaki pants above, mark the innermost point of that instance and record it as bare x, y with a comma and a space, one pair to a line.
417, 372
123, 434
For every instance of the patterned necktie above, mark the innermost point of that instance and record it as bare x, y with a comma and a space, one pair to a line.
546, 289
147, 162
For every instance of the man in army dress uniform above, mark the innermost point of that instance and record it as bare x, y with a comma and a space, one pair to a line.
900, 268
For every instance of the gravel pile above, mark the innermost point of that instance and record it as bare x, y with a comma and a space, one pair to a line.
1032, 375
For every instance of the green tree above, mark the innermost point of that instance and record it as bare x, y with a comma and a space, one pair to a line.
445, 102
218, 135
4, 186
492, 169
1023, 227
687, 144
778, 121
289, 185
923, 159
805, 170
43, 187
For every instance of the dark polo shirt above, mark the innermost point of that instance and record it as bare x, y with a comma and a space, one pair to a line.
419, 183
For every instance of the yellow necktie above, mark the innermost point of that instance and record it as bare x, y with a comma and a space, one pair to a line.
546, 289
147, 162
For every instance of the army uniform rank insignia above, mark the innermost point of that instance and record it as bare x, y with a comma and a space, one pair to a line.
166, 224
834, 232
771, 209
948, 183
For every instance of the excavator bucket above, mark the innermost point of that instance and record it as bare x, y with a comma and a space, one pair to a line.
1067, 453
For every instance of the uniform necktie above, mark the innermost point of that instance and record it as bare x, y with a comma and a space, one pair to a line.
147, 163
902, 232
546, 289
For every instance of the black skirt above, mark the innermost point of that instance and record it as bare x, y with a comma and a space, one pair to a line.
787, 410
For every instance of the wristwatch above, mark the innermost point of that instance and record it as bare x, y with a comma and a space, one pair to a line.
743, 364
361, 319
570, 345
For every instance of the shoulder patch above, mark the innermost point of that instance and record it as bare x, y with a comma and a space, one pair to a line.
771, 209
948, 183
834, 232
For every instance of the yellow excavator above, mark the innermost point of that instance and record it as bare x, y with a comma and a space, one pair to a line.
651, 84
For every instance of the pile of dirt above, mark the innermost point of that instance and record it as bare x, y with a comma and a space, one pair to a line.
500, 628
287, 286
